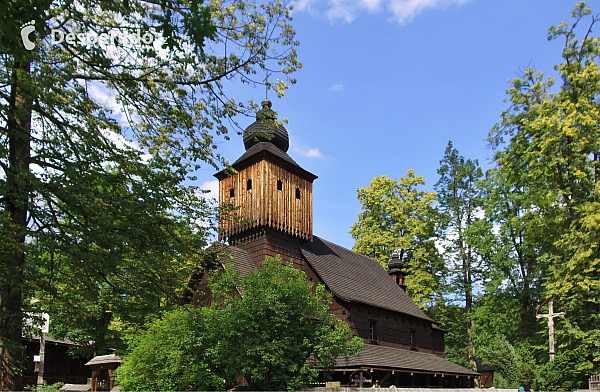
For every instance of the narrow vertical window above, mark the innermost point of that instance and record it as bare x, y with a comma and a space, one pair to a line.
372, 330
231, 192
279, 185
297, 193
249, 184
413, 338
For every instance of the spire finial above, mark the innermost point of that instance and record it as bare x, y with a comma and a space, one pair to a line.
267, 85
266, 103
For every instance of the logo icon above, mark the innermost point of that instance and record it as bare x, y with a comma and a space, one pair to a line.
27, 29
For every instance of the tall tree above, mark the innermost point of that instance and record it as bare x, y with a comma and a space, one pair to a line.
398, 216
551, 138
460, 201
66, 165
515, 267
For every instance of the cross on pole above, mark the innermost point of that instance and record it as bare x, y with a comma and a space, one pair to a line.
550, 316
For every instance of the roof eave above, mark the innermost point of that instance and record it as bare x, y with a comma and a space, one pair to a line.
269, 156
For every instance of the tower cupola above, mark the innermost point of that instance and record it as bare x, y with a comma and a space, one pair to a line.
266, 129
268, 192
396, 269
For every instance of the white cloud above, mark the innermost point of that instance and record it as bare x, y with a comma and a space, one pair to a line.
337, 87
371, 5
107, 99
308, 152
212, 187
345, 11
314, 153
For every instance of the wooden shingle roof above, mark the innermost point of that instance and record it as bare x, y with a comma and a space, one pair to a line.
239, 258
265, 146
267, 151
266, 130
374, 356
104, 359
357, 278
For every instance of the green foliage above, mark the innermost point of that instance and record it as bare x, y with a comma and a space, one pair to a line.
397, 216
548, 145
461, 197
98, 142
565, 373
515, 366
269, 327
45, 387
467, 236
514, 265
169, 355
453, 320
278, 332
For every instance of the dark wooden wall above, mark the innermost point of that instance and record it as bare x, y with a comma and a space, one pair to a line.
393, 329
59, 365
261, 242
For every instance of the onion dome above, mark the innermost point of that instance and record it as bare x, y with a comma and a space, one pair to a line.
264, 129
395, 262
396, 270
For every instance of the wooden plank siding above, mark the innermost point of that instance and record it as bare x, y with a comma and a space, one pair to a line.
264, 204
393, 329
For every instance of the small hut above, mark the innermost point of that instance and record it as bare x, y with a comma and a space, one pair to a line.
103, 367
486, 380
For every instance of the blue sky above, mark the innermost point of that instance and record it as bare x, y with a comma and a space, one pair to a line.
387, 83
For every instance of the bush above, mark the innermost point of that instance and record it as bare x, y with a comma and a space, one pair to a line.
168, 357
277, 335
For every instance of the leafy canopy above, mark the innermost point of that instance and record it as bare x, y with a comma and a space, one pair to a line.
98, 145
277, 334
549, 141
396, 215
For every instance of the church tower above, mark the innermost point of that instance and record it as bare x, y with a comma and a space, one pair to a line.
271, 195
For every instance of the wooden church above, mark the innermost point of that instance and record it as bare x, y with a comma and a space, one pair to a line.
273, 195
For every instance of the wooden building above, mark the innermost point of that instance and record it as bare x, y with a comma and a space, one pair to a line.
272, 195
103, 367
59, 365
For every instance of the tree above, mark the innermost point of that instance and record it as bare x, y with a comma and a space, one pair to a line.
515, 366
277, 334
551, 139
396, 215
515, 266
168, 356
467, 234
69, 161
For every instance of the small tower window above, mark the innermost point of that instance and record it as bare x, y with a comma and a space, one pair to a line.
297, 193
279, 185
249, 184
231, 192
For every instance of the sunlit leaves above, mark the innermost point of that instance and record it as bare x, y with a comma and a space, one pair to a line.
397, 215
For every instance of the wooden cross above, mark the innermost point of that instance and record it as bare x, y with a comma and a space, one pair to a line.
360, 378
550, 316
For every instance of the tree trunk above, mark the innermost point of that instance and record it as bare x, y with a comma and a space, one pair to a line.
469, 311
16, 200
